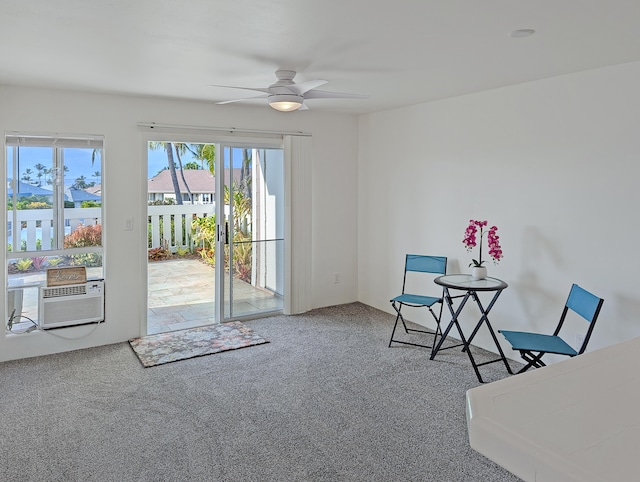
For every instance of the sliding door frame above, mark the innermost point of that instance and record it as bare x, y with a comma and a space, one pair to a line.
296, 170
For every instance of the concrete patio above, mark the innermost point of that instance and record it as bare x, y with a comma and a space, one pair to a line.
181, 293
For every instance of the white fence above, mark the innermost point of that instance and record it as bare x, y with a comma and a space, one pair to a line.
176, 234
37, 229
169, 225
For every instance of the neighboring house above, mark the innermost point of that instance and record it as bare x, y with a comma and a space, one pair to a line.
201, 183
95, 189
78, 196
26, 190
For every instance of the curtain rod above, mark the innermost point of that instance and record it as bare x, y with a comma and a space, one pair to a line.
226, 130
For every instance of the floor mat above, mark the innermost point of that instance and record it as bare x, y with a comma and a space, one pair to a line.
163, 348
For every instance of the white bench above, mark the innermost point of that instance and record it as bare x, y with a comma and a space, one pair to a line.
576, 420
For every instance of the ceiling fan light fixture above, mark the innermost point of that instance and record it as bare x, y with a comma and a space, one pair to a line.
285, 102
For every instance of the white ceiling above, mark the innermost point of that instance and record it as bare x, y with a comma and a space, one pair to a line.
399, 52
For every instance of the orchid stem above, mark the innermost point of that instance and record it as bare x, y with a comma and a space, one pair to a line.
480, 259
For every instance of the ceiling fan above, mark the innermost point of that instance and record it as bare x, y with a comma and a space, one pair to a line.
286, 96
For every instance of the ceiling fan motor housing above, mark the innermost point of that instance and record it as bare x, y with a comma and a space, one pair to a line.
285, 95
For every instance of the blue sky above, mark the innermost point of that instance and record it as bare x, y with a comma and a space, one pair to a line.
157, 160
79, 163
77, 160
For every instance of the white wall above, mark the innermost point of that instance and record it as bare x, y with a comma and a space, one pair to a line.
334, 174
553, 163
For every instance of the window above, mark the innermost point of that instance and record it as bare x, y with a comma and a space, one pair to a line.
54, 212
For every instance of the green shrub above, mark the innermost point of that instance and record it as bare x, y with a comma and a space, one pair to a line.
38, 205
86, 259
23, 264
205, 231
182, 251
53, 262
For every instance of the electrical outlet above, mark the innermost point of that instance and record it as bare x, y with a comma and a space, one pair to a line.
128, 224
336, 277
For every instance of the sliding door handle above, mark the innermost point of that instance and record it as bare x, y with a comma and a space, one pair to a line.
223, 232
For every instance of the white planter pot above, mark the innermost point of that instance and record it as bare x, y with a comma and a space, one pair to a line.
479, 272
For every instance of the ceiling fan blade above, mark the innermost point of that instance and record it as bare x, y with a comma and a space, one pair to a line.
256, 89
304, 87
303, 107
323, 94
240, 100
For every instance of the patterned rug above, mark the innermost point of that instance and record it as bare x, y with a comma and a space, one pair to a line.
163, 348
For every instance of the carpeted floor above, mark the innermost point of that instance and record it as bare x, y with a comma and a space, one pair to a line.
179, 345
325, 400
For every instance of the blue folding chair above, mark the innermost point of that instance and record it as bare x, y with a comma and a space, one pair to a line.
419, 264
532, 346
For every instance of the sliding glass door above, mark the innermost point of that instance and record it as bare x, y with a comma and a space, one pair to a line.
216, 232
251, 241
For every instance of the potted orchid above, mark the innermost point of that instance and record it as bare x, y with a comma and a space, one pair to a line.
473, 239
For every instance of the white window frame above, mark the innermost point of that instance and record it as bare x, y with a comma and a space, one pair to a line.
57, 143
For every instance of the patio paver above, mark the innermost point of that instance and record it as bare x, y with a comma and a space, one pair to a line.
179, 290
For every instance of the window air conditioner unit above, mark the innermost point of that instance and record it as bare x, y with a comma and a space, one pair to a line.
71, 304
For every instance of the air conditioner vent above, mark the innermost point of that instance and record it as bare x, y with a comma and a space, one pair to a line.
68, 290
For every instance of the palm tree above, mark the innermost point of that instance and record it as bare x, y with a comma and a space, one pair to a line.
80, 183
41, 168
168, 148
206, 154
95, 154
182, 148
48, 177
245, 177
65, 170
26, 177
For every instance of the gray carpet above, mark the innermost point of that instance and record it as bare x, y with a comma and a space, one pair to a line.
326, 400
